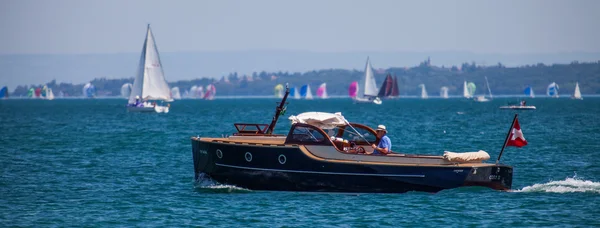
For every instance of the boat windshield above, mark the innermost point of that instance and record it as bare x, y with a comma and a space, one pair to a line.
351, 135
305, 134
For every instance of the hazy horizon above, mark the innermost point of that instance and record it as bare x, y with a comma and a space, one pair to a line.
314, 34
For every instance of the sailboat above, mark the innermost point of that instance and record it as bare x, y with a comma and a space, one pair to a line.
483, 98
367, 92
89, 90
552, 90
4, 92
469, 89
386, 88
210, 93
423, 91
279, 91
577, 93
295, 93
353, 89
126, 90
529, 92
149, 83
49, 94
175, 94
322, 91
444, 92
305, 92
395, 91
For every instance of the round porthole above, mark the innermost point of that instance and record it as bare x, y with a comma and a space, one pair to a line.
282, 159
248, 156
219, 153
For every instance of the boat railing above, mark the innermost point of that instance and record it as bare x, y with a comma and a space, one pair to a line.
250, 129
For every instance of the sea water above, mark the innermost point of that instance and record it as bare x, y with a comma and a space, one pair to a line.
91, 163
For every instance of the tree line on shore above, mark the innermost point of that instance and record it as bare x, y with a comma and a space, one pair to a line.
502, 80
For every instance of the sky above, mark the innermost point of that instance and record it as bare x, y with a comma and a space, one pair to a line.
513, 27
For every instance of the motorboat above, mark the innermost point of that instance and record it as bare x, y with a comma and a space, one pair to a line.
324, 152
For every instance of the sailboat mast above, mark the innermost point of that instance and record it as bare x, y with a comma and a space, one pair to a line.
488, 86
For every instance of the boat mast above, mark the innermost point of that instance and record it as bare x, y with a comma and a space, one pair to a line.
278, 111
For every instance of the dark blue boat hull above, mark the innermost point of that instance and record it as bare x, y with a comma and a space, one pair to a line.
283, 168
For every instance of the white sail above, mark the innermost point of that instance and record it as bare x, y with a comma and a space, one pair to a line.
49, 94
368, 83
444, 92
150, 83
488, 86
296, 93
577, 93
126, 89
175, 93
465, 91
423, 92
309, 95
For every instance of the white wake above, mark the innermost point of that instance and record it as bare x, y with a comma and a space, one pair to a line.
570, 184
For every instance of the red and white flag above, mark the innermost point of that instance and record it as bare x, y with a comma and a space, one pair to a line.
516, 137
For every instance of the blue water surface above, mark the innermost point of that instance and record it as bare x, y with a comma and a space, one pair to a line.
90, 163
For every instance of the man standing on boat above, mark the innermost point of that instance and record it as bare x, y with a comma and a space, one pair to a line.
385, 144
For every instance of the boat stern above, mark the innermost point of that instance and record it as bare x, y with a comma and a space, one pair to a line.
498, 177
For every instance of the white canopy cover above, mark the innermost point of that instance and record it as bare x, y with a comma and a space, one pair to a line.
321, 120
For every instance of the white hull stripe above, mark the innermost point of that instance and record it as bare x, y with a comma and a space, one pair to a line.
315, 172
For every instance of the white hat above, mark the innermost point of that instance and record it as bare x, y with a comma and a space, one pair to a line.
137, 97
381, 128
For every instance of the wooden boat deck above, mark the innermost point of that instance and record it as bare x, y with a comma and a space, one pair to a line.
329, 153
266, 141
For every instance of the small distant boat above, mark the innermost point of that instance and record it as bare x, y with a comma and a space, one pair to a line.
423, 91
46, 93
483, 98
386, 88
38, 92
278, 91
295, 93
31, 93
552, 90
322, 91
529, 92
577, 93
468, 89
49, 93
395, 90
89, 90
367, 92
126, 90
522, 106
149, 84
175, 94
210, 93
518, 107
4, 92
352, 89
444, 92
305, 92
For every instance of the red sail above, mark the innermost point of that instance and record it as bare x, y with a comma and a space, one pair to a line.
386, 87
395, 92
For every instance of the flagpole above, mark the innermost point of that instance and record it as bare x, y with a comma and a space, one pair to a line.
506, 140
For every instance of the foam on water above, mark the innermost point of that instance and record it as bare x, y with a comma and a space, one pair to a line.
570, 184
206, 184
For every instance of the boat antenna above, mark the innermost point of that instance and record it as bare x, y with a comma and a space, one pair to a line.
280, 110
